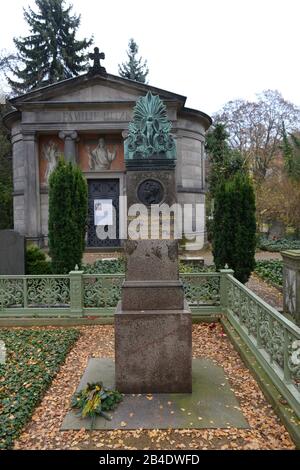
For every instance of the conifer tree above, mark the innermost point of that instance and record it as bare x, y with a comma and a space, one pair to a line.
50, 52
234, 226
134, 68
67, 217
287, 151
224, 161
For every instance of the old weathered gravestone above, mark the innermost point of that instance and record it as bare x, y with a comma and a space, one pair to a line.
291, 283
153, 336
12, 252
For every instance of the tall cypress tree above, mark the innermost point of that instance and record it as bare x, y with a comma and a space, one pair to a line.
134, 68
234, 226
67, 217
287, 151
224, 161
50, 53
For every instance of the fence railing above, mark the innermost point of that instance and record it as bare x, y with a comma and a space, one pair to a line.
273, 339
79, 294
27, 295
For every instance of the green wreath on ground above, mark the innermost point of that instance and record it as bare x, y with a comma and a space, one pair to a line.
95, 400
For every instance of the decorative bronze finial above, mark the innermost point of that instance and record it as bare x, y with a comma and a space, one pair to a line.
149, 132
97, 68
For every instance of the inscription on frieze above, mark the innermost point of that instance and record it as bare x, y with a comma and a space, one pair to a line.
89, 116
78, 116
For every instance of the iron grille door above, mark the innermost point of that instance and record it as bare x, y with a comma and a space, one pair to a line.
102, 189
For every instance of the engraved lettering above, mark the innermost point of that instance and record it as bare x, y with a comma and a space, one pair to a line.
90, 116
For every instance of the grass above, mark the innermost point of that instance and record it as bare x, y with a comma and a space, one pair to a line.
32, 360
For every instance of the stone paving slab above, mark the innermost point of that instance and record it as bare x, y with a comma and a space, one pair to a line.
211, 405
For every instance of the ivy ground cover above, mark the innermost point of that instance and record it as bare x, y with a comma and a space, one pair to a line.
270, 271
33, 357
44, 431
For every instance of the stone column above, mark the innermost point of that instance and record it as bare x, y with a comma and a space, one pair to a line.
18, 177
291, 283
32, 207
203, 158
69, 138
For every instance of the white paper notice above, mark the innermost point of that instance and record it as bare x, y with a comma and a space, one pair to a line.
103, 212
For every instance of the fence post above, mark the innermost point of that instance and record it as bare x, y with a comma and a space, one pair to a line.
25, 293
76, 292
224, 288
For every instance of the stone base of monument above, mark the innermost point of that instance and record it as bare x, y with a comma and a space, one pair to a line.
152, 295
211, 405
153, 350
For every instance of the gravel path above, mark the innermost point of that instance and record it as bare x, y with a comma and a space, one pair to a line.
43, 432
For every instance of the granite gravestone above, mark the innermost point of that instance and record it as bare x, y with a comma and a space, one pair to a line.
153, 328
291, 283
12, 253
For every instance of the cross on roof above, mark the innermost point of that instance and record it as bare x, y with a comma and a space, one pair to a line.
96, 57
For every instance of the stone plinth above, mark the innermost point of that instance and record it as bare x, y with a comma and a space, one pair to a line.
153, 351
151, 295
212, 399
291, 283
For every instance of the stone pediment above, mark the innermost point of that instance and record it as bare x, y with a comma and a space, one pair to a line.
87, 89
96, 93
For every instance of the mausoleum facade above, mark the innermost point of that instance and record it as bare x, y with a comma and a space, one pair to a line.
86, 119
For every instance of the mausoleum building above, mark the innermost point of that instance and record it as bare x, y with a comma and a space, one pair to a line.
86, 119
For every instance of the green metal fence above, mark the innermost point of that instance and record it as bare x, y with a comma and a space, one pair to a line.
47, 295
79, 294
274, 340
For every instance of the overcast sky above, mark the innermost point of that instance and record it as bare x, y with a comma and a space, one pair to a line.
211, 51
